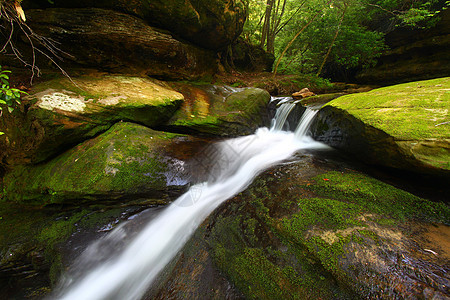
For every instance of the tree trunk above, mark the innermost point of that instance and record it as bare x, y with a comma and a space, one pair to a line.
332, 42
294, 38
266, 24
277, 15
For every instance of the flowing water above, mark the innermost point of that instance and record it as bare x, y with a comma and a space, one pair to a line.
129, 273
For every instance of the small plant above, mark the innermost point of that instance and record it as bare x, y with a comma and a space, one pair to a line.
9, 97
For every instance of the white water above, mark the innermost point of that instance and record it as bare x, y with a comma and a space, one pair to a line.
129, 274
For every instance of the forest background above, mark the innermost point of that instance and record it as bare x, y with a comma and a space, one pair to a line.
323, 37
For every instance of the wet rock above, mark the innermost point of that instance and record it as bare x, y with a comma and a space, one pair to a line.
402, 126
220, 111
321, 234
128, 160
61, 113
31, 253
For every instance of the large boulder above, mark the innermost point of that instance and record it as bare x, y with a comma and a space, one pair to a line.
61, 113
127, 161
116, 42
219, 111
404, 126
247, 57
302, 232
209, 24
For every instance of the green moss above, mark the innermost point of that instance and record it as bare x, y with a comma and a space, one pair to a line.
137, 90
211, 114
125, 159
407, 111
321, 213
197, 120
60, 229
374, 196
246, 248
262, 272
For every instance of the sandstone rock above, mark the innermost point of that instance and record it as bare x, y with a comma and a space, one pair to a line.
414, 54
247, 57
219, 111
116, 42
61, 113
303, 93
402, 126
211, 24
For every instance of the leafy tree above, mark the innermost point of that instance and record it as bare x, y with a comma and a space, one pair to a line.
310, 35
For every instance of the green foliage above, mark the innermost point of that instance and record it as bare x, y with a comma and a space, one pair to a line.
421, 14
356, 42
9, 97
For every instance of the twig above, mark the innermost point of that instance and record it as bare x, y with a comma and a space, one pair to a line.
7, 12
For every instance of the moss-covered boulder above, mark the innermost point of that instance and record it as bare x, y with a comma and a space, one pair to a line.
219, 111
211, 24
116, 42
128, 161
61, 113
404, 126
301, 231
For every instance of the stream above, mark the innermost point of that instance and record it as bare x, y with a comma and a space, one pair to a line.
128, 273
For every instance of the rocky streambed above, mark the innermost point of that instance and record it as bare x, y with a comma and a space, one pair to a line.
314, 227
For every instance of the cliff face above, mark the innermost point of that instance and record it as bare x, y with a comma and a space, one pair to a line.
165, 39
211, 24
413, 55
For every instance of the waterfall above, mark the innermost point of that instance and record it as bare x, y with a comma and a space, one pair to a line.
129, 273
281, 114
305, 122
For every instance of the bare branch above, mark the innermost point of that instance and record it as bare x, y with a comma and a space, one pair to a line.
49, 48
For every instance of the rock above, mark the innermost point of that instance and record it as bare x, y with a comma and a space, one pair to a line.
414, 54
219, 111
211, 24
329, 235
303, 93
116, 42
402, 126
246, 57
61, 113
128, 161
31, 258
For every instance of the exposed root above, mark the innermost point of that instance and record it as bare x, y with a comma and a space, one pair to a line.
12, 17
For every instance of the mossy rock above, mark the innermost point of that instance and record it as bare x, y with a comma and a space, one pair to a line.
129, 160
402, 126
219, 111
61, 113
333, 235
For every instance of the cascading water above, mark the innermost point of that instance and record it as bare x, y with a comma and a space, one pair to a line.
128, 274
